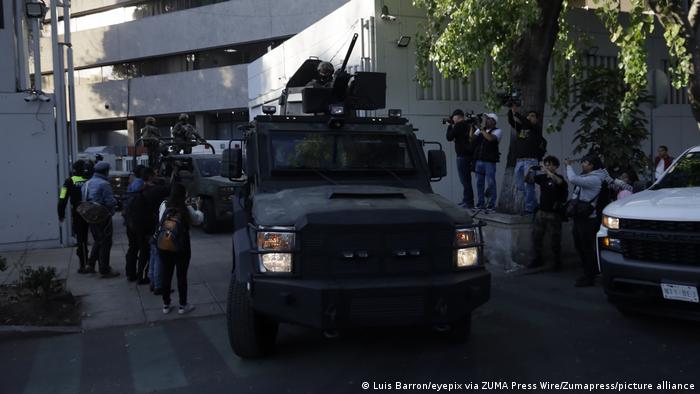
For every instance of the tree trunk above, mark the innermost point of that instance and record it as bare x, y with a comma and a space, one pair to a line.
531, 60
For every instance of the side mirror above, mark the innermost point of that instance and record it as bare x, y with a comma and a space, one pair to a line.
232, 163
437, 163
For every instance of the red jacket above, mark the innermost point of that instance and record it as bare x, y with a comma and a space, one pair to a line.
667, 161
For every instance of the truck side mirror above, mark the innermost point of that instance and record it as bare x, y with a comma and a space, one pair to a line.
232, 163
437, 163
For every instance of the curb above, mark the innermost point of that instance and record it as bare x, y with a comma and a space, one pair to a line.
15, 332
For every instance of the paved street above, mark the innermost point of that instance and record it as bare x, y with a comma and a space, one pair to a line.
535, 328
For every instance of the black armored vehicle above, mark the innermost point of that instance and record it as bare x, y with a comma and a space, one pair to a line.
336, 225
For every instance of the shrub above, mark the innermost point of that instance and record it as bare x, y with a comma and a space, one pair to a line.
39, 281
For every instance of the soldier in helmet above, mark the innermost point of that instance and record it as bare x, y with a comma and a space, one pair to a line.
150, 136
325, 76
185, 135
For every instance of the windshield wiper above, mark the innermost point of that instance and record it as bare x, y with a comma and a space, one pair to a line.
392, 173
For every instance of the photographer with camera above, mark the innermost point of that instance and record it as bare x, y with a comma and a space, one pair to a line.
553, 194
528, 151
458, 131
485, 142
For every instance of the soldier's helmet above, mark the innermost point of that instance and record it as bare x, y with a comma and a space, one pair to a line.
183, 117
325, 69
150, 120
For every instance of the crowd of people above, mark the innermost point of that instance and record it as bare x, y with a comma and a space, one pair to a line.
157, 220
579, 197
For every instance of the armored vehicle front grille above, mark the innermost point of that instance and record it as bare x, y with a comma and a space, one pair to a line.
658, 251
359, 251
660, 225
388, 310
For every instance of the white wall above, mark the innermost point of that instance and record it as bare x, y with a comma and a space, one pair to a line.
200, 90
215, 25
674, 125
29, 172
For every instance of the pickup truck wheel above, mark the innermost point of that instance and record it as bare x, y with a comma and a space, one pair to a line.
250, 334
209, 224
459, 330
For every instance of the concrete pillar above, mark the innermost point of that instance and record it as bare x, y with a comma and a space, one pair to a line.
8, 48
132, 132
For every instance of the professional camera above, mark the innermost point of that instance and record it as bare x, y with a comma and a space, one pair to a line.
510, 99
471, 117
447, 121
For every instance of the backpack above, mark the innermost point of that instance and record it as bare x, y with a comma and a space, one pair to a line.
91, 211
171, 234
542, 148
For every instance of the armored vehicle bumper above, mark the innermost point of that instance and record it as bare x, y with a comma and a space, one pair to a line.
381, 301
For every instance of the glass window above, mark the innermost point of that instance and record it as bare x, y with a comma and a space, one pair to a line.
684, 173
336, 151
209, 167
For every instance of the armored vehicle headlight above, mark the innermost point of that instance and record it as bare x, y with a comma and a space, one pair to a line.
611, 222
466, 237
276, 262
467, 257
275, 241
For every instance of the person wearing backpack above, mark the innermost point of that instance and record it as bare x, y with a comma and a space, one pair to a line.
591, 187
71, 191
173, 239
528, 152
99, 190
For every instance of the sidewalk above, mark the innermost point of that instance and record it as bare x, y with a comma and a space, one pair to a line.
117, 302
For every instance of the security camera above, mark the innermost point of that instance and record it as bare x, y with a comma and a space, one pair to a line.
44, 98
31, 97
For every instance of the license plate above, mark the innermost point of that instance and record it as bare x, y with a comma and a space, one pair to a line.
680, 292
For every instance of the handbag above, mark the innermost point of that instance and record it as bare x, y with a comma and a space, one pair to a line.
93, 212
580, 209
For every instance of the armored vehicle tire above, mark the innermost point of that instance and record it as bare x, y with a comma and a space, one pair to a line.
250, 334
209, 225
459, 330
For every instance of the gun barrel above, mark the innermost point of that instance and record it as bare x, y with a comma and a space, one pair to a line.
347, 55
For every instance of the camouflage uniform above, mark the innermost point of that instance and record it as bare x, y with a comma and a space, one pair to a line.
150, 136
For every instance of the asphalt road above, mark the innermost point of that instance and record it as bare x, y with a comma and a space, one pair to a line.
536, 328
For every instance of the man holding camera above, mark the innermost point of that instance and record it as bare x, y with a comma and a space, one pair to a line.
528, 151
553, 194
458, 131
485, 142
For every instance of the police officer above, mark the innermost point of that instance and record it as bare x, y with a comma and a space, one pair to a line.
71, 191
184, 134
325, 76
150, 136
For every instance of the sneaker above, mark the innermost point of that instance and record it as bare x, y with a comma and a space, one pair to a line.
185, 309
109, 274
166, 309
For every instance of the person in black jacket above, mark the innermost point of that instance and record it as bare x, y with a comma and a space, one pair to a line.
527, 152
71, 191
458, 132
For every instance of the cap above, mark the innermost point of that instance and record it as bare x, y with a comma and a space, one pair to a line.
183, 117
150, 120
102, 166
492, 116
458, 112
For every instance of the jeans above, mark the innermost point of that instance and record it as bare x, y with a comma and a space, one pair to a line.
584, 232
170, 262
102, 233
464, 170
521, 168
486, 171
138, 250
154, 266
547, 223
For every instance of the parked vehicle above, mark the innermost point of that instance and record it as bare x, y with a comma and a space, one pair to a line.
649, 244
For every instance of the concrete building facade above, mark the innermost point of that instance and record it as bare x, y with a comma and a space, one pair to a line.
136, 58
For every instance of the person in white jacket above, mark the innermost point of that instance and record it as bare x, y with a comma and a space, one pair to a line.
171, 261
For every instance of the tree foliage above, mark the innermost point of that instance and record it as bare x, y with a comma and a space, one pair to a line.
598, 97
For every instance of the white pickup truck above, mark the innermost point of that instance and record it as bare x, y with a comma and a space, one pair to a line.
649, 244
